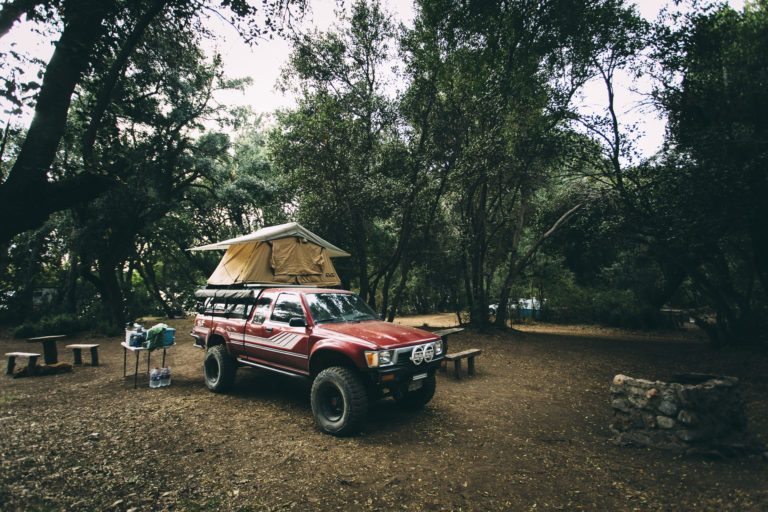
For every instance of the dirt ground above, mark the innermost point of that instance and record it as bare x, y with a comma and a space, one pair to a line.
528, 432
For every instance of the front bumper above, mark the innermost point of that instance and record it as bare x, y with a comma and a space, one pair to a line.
402, 374
199, 339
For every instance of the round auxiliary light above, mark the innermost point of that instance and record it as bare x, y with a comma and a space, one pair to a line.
417, 355
429, 353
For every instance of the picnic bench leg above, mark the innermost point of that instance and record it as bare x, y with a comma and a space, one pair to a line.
457, 367
94, 356
32, 368
78, 354
49, 352
11, 364
471, 365
125, 355
163, 365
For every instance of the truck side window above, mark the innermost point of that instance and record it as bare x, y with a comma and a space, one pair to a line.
287, 307
262, 308
238, 311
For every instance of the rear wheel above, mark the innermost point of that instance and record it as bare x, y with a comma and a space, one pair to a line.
339, 401
418, 398
219, 369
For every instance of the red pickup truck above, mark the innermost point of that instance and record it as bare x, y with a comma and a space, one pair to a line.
329, 336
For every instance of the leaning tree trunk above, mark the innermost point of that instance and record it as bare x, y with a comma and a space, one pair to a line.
148, 275
28, 177
516, 266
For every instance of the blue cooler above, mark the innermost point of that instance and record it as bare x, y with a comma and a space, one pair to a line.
169, 336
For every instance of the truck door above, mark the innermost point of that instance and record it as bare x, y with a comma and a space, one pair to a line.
236, 317
254, 329
279, 344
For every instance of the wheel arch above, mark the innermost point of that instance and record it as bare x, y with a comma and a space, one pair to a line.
327, 357
215, 339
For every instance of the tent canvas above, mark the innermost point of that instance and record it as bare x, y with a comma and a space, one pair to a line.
284, 254
272, 233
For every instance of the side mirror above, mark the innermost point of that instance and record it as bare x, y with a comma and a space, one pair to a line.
297, 322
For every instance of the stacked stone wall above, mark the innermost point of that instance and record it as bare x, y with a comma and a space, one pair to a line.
694, 411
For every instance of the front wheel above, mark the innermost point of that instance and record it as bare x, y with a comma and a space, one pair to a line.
219, 369
339, 401
418, 398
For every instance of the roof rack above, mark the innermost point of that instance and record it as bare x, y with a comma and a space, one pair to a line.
242, 291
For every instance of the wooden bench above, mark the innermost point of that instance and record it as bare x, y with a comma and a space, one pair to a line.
12, 361
77, 351
469, 355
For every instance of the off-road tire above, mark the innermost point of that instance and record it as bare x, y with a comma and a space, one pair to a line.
417, 399
339, 401
219, 369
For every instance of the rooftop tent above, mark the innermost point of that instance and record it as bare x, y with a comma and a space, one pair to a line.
284, 254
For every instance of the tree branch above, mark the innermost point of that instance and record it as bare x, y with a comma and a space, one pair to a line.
110, 81
12, 11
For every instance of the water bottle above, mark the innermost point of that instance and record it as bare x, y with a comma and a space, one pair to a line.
154, 378
165, 376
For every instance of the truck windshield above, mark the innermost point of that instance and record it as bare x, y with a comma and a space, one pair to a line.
338, 307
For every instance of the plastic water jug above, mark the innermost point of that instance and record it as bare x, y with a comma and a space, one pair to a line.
165, 376
154, 378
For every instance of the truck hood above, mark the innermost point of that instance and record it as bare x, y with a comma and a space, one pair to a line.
384, 334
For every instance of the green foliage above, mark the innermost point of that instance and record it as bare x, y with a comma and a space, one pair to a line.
337, 152
490, 101
460, 191
706, 205
57, 324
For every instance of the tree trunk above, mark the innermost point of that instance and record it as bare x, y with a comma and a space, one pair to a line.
70, 294
148, 275
405, 267
112, 296
31, 268
27, 196
516, 266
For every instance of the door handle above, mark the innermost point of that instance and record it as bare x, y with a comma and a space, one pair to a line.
268, 329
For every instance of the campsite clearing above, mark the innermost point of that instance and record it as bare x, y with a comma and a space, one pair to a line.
530, 430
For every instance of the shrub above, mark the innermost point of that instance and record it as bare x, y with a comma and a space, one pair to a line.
57, 324
25, 331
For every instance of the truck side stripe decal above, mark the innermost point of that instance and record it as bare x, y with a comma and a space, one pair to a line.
284, 340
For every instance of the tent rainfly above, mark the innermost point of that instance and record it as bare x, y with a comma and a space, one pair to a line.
284, 254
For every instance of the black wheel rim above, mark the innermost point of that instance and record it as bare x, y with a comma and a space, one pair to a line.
212, 369
331, 402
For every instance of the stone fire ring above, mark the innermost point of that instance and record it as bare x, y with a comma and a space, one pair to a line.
691, 413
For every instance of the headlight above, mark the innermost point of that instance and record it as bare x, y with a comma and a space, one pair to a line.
438, 347
377, 358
